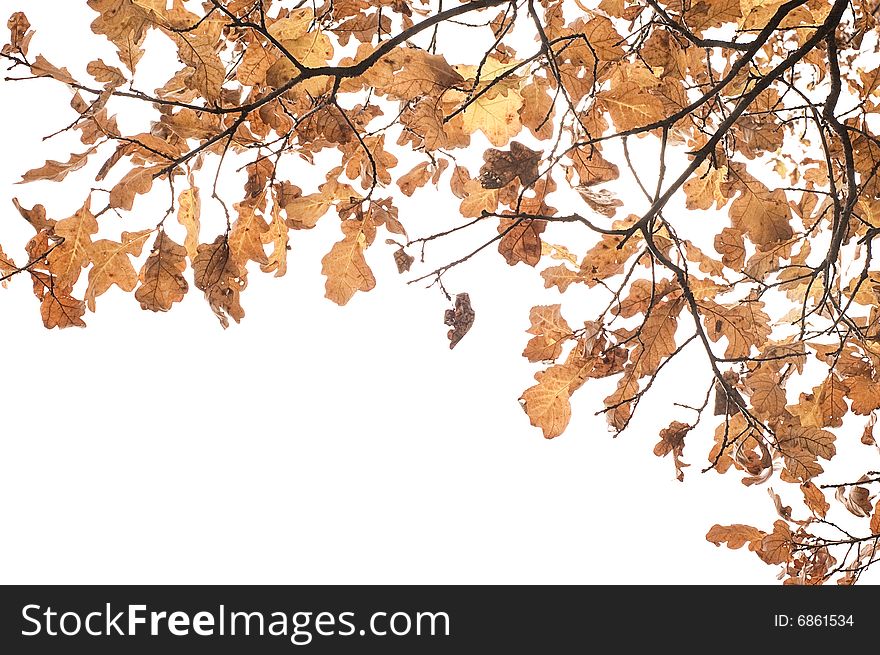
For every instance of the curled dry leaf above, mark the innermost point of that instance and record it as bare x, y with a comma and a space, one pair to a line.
856, 499
600, 201
403, 260
815, 500
461, 318
221, 279
672, 441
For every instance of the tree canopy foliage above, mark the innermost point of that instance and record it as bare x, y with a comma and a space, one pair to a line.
769, 105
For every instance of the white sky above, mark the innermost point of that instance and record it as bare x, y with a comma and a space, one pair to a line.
312, 443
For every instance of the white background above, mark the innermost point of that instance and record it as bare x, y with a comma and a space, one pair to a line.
312, 443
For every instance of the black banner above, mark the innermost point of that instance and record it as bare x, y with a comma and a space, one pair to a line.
416, 619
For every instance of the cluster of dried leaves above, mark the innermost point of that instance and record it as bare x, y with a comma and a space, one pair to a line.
772, 101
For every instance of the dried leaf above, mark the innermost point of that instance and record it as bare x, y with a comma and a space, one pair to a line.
403, 260
188, 214
815, 499
345, 266
161, 279
221, 279
550, 330
502, 167
736, 536
111, 264
601, 201
461, 318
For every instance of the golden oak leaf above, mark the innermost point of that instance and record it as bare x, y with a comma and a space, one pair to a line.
279, 238
68, 258
630, 106
864, 393
363, 27
768, 397
311, 49
188, 214
606, 259
303, 212
248, 235
801, 447
736, 536
547, 402
44, 68
111, 264
729, 244
662, 52
125, 24
558, 252
604, 39
707, 264
412, 72
642, 293
417, 177
423, 125
255, 64
496, 117
704, 14
550, 330
137, 181
733, 429
59, 309
619, 404
538, 109
561, 276
496, 75
776, 546
293, 26
826, 406
345, 267
105, 73
521, 240
358, 164
161, 278
763, 215
477, 199
815, 499
655, 340
743, 324
56, 171
197, 47
222, 280
704, 189
591, 167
